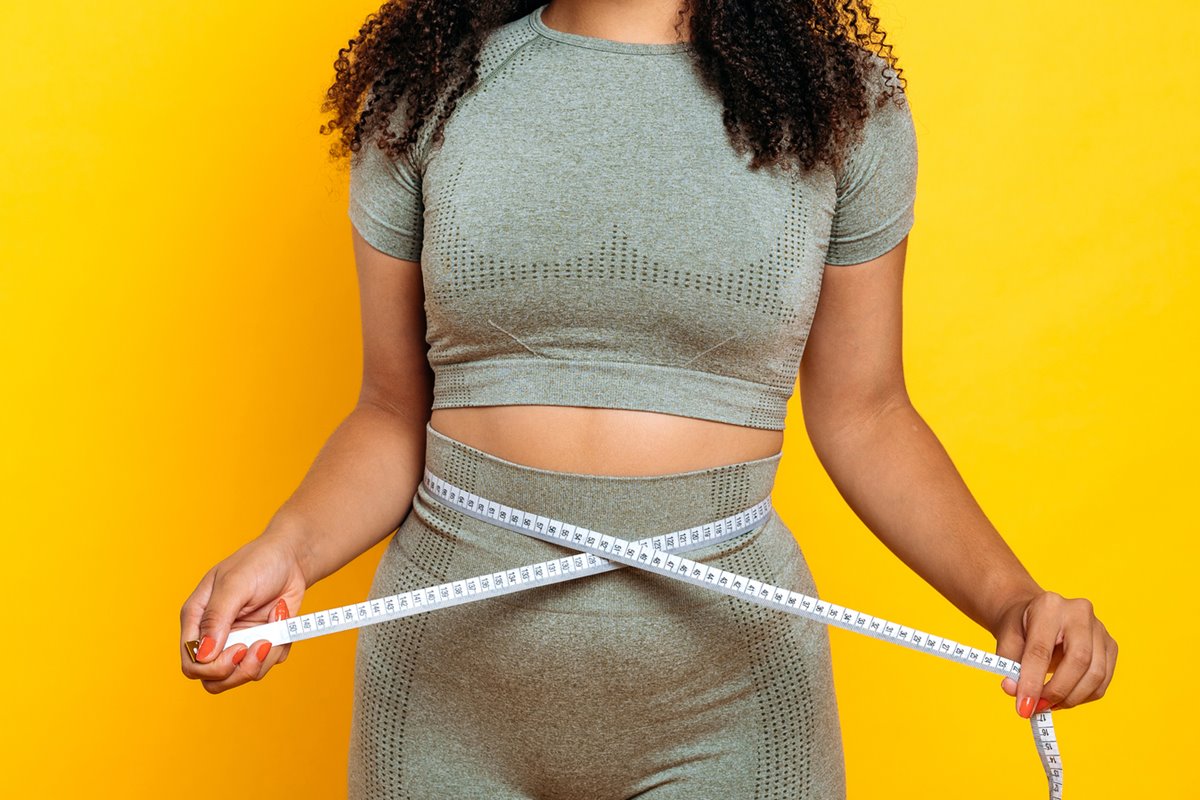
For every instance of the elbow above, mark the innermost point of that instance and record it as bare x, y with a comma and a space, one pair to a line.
831, 416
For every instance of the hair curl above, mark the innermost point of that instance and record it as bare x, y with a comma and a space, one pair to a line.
793, 74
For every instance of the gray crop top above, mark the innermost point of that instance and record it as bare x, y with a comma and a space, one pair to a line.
587, 235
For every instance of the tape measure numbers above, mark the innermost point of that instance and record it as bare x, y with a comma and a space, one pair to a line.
659, 554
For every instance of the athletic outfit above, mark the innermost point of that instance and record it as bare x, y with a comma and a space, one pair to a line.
588, 237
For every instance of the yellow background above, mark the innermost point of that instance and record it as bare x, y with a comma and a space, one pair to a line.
180, 334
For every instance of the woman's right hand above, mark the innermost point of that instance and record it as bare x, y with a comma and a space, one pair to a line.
261, 582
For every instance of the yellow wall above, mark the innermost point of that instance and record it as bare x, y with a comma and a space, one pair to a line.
180, 335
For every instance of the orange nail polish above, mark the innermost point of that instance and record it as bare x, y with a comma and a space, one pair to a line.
263, 649
1042, 705
239, 655
281, 610
206, 646
1025, 709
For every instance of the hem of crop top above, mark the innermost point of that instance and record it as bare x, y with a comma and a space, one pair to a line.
597, 43
611, 384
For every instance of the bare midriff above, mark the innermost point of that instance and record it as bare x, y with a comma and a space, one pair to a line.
603, 441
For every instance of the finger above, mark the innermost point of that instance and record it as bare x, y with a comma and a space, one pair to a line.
1093, 676
221, 667
189, 617
273, 655
1111, 656
277, 652
1042, 631
1078, 652
1110, 662
224, 605
1009, 645
189, 614
249, 669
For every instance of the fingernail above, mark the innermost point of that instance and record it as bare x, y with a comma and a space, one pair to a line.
1042, 705
281, 610
206, 646
1025, 709
239, 655
263, 649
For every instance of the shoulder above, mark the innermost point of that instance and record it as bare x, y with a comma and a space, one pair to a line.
502, 43
879, 78
888, 129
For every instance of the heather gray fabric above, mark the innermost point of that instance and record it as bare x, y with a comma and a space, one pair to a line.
606, 687
587, 235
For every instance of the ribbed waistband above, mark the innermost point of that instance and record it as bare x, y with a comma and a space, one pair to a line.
629, 506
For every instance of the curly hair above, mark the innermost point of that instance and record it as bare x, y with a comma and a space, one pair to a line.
793, 75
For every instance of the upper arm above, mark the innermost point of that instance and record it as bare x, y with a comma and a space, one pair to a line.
396, 372
386, 209
386, 202
852, 364
877, 184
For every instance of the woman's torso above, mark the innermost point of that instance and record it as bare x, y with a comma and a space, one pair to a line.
608, 289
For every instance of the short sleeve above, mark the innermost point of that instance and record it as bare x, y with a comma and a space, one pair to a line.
386, 203
877, 187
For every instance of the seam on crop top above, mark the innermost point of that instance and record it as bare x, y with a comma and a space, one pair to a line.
710, 349
494, 71
426, 151
518, 341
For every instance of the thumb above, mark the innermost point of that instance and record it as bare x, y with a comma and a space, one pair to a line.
224, 604
1010, 644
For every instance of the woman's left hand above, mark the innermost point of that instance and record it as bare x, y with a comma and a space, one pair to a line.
1050, 633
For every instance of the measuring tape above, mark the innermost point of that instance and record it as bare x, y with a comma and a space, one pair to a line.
658, 554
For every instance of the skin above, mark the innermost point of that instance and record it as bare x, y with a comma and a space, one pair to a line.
885, 461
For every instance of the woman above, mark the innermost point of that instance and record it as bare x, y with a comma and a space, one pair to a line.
611, 235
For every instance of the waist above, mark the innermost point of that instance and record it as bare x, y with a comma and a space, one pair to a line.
446, 544
604, 441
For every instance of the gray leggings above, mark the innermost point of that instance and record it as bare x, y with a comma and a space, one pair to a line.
618, 685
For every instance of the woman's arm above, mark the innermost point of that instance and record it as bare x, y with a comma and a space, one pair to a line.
895, 475
358, 489
361, 484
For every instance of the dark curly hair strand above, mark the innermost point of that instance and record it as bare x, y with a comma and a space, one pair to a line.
794, 75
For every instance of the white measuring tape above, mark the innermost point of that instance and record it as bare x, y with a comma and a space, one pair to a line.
658, 554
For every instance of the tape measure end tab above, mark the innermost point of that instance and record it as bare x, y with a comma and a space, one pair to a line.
192, 645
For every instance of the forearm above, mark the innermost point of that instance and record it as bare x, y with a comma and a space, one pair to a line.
357, 491
896, 476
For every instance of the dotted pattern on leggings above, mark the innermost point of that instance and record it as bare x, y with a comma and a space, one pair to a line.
729, 491
784, 691
434, 551
391, 652
461, 469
